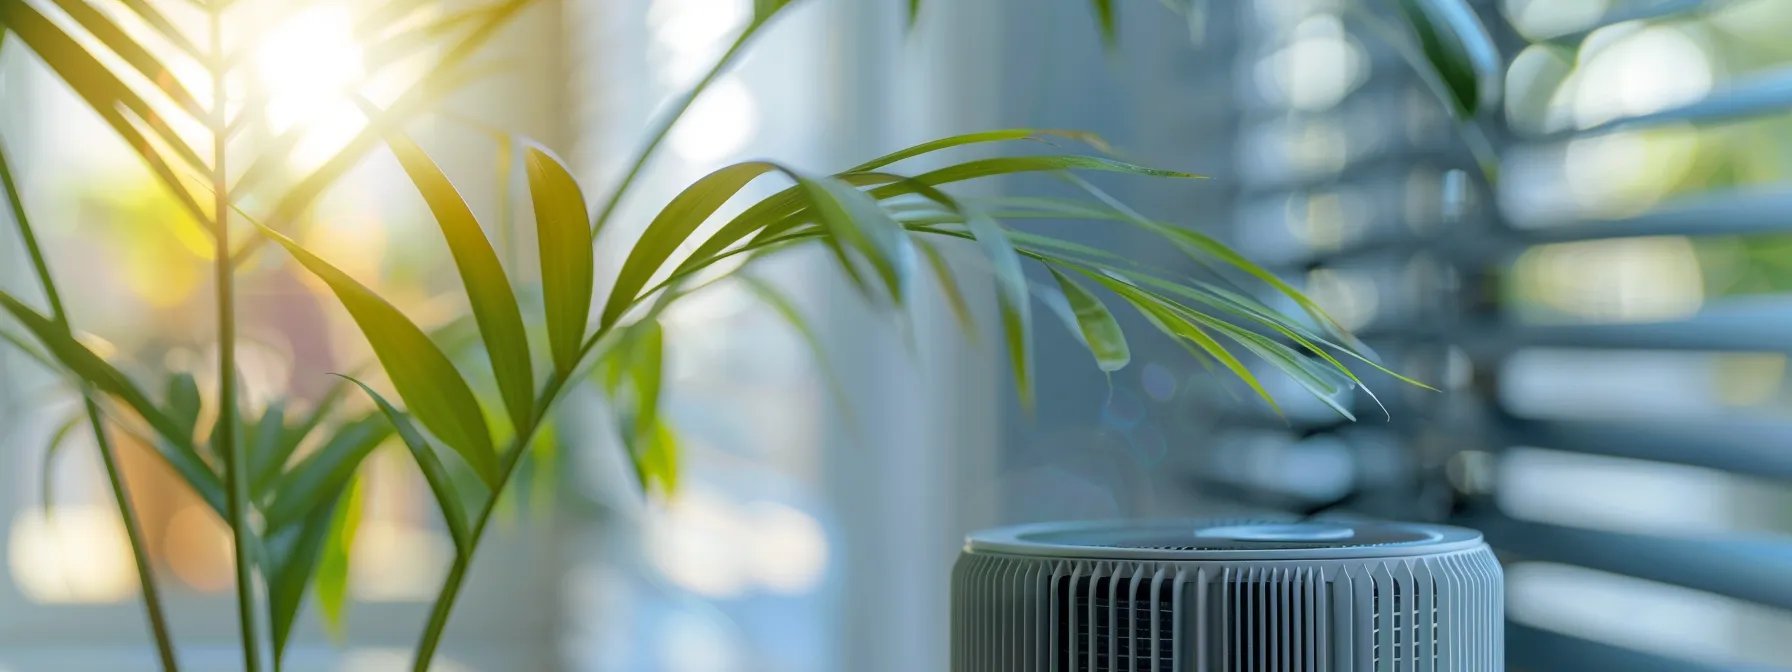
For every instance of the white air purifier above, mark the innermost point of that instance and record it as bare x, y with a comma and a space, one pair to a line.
1227, 596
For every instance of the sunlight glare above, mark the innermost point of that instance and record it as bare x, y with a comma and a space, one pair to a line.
307, 64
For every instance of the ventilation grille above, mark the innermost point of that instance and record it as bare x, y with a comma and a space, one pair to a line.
1437, 613
1412, 632
1105, 625
1272, 618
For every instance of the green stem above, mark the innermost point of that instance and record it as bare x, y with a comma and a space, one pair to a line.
663, 126
152, 599
236, 464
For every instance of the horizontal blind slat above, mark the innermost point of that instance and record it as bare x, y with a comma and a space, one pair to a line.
1745, 569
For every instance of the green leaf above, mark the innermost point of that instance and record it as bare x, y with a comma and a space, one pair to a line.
105, 95
647, 354
48, 471
675, 223
764, 10
854, 218
566, 258
1459, 50
265, 465
1100, 332
178, 450
268, 432
424, 377
1324, 384
914, 13
132, 53
333, 567
656, 459
787, 311
156, 20
488, 289
1163, 316
1003, 135
182, 398
1104, 15
322, 475
441, 485
763, 217
942, 274
1199, 246
290, 554
1011, 299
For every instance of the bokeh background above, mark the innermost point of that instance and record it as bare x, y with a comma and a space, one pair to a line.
1607, 324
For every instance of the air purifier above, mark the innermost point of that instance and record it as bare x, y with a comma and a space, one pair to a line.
1227, 596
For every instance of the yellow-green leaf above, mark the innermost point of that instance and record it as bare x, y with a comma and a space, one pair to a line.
423, 376
488, 289
1101, 333
675, 223
564, 238
333, 565
441, 485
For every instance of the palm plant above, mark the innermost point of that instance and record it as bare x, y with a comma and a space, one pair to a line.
291, 515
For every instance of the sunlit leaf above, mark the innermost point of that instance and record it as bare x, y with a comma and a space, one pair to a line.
647, 354
424, 377
656, 459
1100, 332
132, 53
104, 94
333, 564
488, 289
567, 265
675, 223
318, 478
441, 485
178, 450
48, 471
146, 10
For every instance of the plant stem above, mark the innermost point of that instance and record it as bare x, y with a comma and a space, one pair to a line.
663, 126
513, 456
463, 558
133, 531
236, 464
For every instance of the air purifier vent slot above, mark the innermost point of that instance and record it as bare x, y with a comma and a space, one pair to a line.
1409, 627
1114, 623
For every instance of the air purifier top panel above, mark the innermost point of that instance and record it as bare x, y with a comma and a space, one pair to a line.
1250, 539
